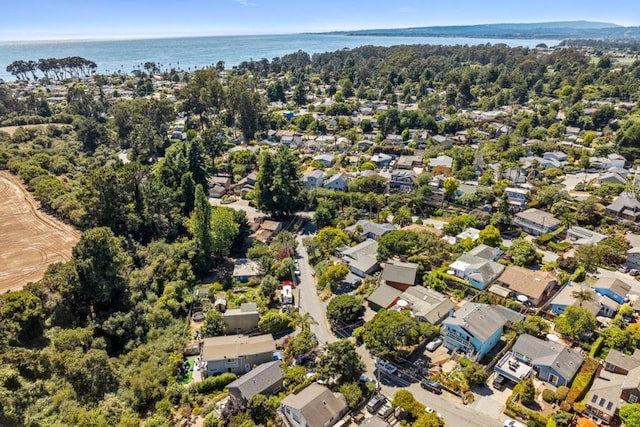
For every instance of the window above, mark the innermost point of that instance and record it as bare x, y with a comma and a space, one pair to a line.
609, 406
601, 401
553, 379
594, 399
633, 398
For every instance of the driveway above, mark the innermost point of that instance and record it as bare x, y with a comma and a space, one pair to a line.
308, 300
241, 205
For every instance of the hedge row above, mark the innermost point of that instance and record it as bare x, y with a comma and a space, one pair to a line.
582, 381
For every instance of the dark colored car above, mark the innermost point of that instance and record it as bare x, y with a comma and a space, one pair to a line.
499, 382
432, 386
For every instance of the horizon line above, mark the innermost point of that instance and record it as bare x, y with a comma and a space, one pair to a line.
132, 37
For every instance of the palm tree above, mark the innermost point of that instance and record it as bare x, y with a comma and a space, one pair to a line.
304, 320
583, 295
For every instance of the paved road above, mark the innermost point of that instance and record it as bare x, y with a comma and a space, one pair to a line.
451, 408
308, 298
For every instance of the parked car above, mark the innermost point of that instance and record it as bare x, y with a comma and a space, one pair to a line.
634, 272
386, 367
432, 386
499, 382
286, 283
313, 272
366, 379
433, 345
623, 269
297, 272
513, 423
375, 403
385, 410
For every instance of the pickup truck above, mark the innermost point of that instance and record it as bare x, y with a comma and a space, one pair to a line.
386, 367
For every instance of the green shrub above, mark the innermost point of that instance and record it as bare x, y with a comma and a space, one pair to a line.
548, 395
596, 347
211, 384
561, 393
582, 381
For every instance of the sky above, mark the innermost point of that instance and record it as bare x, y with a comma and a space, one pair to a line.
117, 19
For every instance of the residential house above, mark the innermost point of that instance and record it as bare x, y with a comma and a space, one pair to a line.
236, 353
633, 258
443, 141
326, 159
616, 160
442, 161
402, 180
337, 182
246, 184
383, 297
381, 160
478, 267
426, 305
582, 236
371, 230
474, 329
612, 177
407, 162
567, 298
613, 288
265, 379
625, 206
361, 258
536, 222
241, 320
245, 269
313, 179
218, 186
469, 233
630, 392
536, 285
552, 362
616, 384
374, 421
558, 156
400, 275
314, 406
517, 198
265, 229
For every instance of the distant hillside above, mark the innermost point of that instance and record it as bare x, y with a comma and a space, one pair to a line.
541, 30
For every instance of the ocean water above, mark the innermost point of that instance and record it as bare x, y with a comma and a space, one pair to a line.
189, 53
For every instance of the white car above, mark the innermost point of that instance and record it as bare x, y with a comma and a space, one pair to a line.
433, 345
386, 367
513, 423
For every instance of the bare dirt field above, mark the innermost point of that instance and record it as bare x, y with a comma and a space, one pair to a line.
12, 129
30, 239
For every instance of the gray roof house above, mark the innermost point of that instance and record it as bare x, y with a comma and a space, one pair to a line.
625, 206
337, 182
582, 236
315, 406
384, 296
241, 320
441, 161
536, 222
326, 159
245, 269
425, 304
554, 363
265, 379
477, 270
361, 258
313, 179
400, 275
617, 383
236, 353
474, 329
371, 230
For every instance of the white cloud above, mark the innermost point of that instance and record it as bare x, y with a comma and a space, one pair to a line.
245, 2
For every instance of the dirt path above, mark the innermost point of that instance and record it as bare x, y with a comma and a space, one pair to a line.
30, 240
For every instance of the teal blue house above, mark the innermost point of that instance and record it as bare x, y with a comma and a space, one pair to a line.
476, 328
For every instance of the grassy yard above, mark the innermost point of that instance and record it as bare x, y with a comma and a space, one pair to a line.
186, 379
